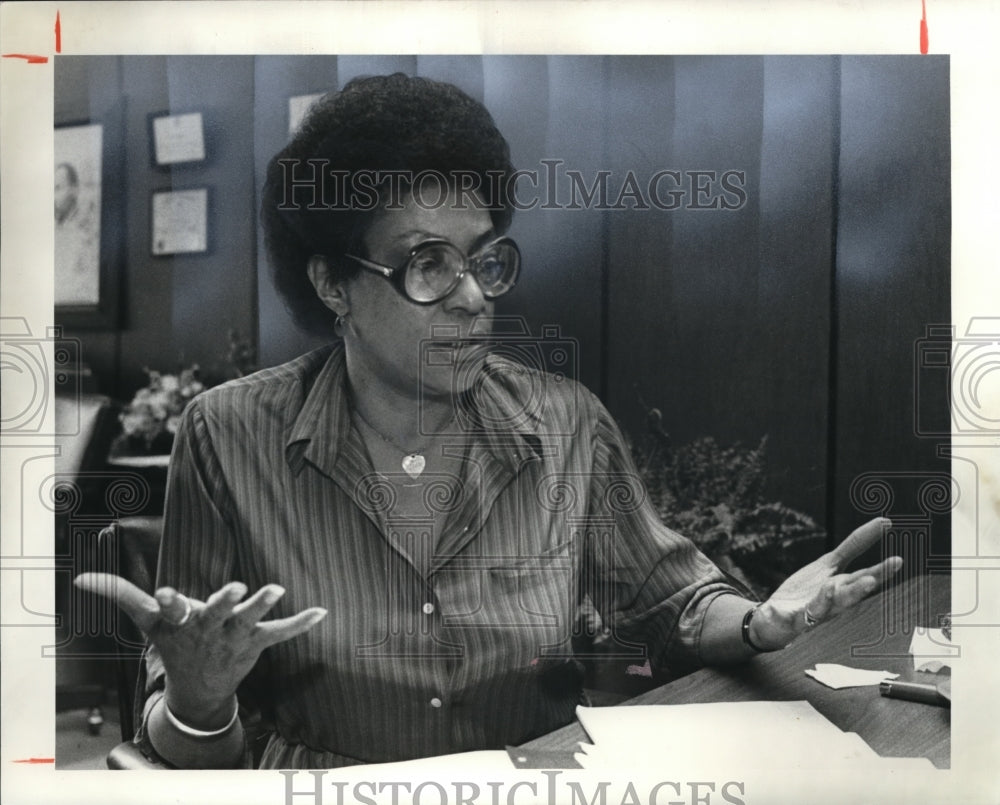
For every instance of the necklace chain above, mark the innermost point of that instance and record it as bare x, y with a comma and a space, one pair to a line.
413, 462
387, 440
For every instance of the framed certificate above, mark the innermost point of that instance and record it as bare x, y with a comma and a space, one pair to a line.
176, 139
179, 221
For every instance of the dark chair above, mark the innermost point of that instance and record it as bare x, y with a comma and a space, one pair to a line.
129, 548
85, 427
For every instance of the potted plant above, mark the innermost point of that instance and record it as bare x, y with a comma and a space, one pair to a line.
717, 497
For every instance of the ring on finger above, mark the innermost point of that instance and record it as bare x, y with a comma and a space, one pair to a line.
187, 612
809, 618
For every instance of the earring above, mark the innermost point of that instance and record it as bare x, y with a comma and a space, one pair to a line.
340, 326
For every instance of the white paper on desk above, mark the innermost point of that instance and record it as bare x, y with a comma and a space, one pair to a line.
690, 737
931, 650
482, 762
838, 676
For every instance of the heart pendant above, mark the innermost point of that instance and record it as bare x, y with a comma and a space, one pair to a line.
413, 465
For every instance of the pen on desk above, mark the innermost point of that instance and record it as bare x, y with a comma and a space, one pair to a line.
914, 692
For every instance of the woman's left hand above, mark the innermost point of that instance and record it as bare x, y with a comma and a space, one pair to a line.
819, 591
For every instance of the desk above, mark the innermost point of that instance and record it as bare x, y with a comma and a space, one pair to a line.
875, 636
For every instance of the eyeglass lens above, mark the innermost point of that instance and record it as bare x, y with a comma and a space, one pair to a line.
434, 270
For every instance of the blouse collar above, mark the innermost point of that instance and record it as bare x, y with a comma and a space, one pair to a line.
322, 434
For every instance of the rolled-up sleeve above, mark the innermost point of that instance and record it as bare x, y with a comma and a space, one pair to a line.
651, 585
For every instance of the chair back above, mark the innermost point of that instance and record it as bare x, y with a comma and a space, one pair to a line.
129, 547
85, 427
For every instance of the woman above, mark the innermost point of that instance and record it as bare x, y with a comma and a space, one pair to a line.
417, 520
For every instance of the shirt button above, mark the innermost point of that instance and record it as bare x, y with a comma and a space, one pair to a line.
428, 608
435, 702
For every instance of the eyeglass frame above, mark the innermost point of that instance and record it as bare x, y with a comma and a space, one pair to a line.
397, 275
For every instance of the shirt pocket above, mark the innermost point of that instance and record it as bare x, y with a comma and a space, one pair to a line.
537, 590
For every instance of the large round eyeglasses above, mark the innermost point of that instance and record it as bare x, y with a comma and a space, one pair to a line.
434, 268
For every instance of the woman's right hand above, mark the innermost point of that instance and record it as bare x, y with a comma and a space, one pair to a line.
207, 647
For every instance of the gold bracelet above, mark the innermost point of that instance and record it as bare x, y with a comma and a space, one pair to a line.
196, 733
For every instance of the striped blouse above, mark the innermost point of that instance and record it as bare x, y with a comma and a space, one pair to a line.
445, 633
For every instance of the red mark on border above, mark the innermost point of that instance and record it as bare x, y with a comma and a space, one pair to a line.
31, 58
37, 760
26, 57
924, 42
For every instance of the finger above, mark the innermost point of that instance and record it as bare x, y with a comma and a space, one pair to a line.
822, 604
277, 631
860, 540
175, 609
852, 588
848, 593
141, 607
881, 572
257, 606
844, 591
836, 594
220, 604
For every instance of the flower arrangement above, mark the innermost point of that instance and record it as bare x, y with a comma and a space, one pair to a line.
151, 419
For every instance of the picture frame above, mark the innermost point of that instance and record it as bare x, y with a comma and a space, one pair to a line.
88, 239
177, 139
179, 221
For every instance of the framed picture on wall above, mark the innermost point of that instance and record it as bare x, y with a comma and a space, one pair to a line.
87, 209
176, 139
179, 221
